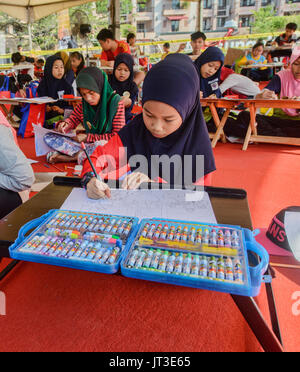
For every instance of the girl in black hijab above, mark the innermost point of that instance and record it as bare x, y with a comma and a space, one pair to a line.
171, 126
122, 82
55, 86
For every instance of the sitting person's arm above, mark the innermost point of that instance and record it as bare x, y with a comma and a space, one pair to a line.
16, 173
72, 121
242, 62
272, 90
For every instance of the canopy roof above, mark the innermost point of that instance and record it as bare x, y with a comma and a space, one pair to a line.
33, 10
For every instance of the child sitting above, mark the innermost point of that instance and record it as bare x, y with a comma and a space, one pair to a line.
101, 112
254, 58
209, 67
77, 62
55, 86
171, 126
283, 123
122, 82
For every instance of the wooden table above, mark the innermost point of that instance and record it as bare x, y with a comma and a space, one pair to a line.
227, 210
253, 105
17, 101
213, 104
274, 66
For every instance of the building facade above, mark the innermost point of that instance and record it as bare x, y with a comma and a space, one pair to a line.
215, 13
157, 18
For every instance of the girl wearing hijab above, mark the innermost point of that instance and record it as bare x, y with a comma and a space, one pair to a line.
283, 123
99, 117
54, 85
165, 142
209, 66
122, 82
69, 73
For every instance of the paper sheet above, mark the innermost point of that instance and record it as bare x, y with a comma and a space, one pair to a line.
292, 229
173, 204
41, 148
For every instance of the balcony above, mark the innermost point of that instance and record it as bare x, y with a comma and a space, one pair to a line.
171, 8
174, 12
144, 13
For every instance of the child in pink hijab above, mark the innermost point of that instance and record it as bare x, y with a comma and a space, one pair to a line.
284, 122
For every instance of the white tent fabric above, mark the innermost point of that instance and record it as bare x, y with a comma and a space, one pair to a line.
33, 10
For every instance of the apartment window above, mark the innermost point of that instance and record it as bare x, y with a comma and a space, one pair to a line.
222, 4
175, 26
140, 7
266, 2
245, 21
221, 22
206, 24
175, 4
140, 27
207, 4
247, 3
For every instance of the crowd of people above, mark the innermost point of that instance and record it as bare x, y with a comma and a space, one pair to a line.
172, 121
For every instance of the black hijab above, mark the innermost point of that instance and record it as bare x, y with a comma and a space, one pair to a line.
210, 85
124, 86
175, 82
50, 86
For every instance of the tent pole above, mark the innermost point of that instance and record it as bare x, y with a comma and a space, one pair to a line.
115, 18
30, 35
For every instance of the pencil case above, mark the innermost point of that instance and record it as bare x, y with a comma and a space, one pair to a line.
198, 255
87, 241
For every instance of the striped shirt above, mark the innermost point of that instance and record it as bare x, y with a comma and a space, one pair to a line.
76, 118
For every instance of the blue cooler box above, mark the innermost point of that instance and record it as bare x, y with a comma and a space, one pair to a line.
198, 255
87, 241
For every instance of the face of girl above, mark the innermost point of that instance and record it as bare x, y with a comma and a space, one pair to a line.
91, 97
161, 119
296, 69
58, 69
210, 68
122, 72
258, 51
75, 62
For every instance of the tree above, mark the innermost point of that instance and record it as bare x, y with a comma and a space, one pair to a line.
266, 20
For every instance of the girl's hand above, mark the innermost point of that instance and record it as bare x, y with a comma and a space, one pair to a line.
127, 101
81, 137
134, 180
62, 127
97, 189
201, 94
267, 94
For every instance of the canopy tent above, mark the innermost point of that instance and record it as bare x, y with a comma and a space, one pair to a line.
33, 10
30, 11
